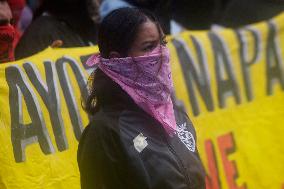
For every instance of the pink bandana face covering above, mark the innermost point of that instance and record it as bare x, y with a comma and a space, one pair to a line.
147, 79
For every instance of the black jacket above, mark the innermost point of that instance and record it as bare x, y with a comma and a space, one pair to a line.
110, 156
238, 13
47, 29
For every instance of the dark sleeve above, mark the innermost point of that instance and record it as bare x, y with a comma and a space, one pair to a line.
100, 158
42, 33
36, 38
192, 14
242, 12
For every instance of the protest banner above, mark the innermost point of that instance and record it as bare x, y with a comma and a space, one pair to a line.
231, 83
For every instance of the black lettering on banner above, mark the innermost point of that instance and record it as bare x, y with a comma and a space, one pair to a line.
68, 91
84, 59
51, 98
274, 66
197, 74
24, 134
247, 62
226, 86
89, 69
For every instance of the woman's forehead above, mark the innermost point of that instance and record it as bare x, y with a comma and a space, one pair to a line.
147, 31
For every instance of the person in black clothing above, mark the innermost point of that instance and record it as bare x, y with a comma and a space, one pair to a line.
137, 137
195, 15
238, 13
67, 20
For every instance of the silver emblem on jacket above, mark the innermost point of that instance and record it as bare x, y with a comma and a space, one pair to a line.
140, 142
186, 137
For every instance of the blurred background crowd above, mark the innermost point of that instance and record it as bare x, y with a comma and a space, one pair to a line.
30, 26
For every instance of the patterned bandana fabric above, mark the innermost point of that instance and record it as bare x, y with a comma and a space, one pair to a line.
147, 80
7, 37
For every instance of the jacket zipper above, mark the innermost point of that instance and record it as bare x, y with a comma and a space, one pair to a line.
178, 159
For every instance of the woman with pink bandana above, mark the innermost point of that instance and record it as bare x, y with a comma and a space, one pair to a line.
137, 138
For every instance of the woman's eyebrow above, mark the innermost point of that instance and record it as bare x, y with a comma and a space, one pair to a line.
150, 41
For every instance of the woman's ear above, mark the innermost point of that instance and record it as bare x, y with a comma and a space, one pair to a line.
114, 54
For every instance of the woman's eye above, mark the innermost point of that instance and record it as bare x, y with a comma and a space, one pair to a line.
148, 48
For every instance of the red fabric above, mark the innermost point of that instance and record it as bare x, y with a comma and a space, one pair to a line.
18, 35
16, 7
7, 37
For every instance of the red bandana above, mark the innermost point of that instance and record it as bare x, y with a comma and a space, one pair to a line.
7, 36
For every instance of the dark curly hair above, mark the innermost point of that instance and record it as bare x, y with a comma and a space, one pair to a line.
117, 32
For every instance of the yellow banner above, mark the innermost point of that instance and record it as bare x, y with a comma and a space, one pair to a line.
230, 81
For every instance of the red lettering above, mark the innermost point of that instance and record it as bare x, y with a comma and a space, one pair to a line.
227, 146
212, 180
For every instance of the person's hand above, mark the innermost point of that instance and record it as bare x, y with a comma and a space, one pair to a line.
5, 13
56, 44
